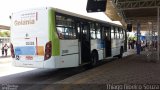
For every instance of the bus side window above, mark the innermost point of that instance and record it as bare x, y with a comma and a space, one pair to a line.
112, 33
92, 31
116, 32
60, 34
65, 27
98, 31
70, 33
121, 33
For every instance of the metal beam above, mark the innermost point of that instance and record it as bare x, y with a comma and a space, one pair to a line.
142, 20
121, 13
127, 4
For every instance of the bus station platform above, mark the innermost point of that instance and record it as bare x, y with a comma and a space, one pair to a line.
130, 70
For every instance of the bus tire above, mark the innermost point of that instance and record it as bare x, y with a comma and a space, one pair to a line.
94, 59
121, 53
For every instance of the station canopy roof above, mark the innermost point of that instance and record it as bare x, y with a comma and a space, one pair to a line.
4, 27
133, 11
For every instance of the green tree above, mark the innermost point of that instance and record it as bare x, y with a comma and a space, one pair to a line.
5, 34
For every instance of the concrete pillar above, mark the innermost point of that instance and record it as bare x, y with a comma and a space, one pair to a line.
138, 44
158, 37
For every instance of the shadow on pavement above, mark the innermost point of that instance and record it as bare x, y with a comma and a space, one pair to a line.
5, 56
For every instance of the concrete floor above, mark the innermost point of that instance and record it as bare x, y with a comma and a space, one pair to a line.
6, 67
131, 70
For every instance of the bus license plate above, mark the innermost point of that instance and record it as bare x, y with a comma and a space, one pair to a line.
29, 57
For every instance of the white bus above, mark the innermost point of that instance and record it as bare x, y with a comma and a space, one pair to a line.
54, 38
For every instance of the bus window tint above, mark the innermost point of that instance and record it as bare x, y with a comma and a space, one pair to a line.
65, 27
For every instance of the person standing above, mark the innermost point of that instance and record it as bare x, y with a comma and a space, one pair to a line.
129, 44
2, 51
6, 49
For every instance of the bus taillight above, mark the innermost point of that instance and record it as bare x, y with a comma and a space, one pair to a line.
48, 50
12, 51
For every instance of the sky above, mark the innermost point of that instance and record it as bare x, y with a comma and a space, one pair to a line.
7, 7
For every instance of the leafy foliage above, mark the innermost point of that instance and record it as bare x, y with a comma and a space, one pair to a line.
5, 34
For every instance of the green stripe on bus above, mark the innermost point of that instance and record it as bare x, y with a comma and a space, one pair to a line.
53, 34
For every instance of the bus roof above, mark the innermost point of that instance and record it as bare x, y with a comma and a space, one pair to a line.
82, 16
73, 14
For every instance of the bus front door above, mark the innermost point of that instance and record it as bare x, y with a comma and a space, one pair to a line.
107, 41
84, 38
